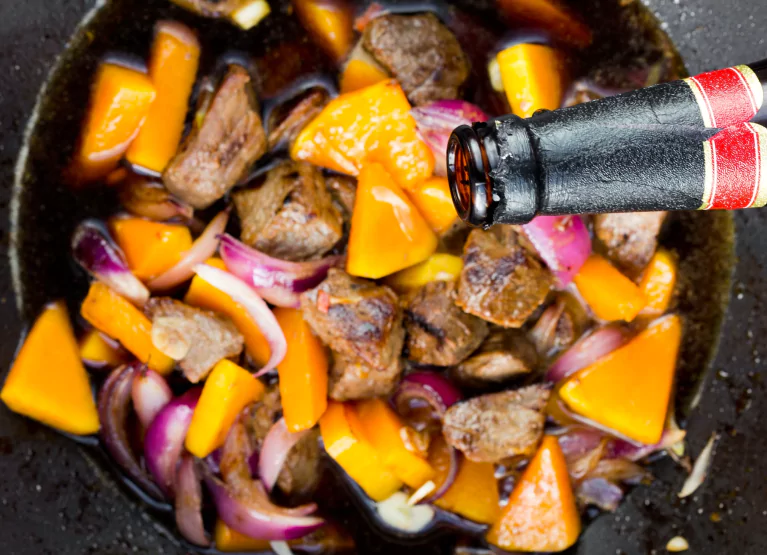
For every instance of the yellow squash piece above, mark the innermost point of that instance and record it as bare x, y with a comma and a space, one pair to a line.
359, 74
387, 231
228, 389
438, 267
47, 381
435, 203
611, 295
98, 352
532, 78
150, 248
658, 282
629, 390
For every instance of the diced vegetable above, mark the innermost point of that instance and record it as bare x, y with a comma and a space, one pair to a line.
658, 283
228, 389
438, 267
550, 15
250, 13
340, 429
274, 452
629, 390
541, 514
231, 541
359, 74
303, 372
203, 295
329, 23
47, 381
150, 248
385, 431
97, 352
434, 201
149, 393
172, 69
387, 231
610, 294
474, 493
120, 101
113, 315
399, 513
589, 348
370, 125
563, 243
532, 78
188, 503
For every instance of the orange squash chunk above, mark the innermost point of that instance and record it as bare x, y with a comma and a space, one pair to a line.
97, 351
438, 267
532, 78
541, 514
369, 125
47, 381
303, 372
629, 390
658, 282
610, 294
329, 23
434, 201
550, 15
387, 231
359, 74
150, 248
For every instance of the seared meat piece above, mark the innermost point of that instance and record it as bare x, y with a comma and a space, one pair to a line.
438, 332
421, 53
503, 284
215, 155
351, 380
630, 239
504, 354
343, 192
357, 319
564, 335
296, 119
291, 215
197, 338
453, 240
263, 415
493, 427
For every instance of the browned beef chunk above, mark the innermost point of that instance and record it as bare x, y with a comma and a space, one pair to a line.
504, 354
357, 319
343, 192
438, 332
263, 415
215, 155
503, 284
493, 427
304, 111
351, 379
453, 240
197, 338
291, 215
630, 239
421, 53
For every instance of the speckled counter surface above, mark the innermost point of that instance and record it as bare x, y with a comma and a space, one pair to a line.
53, 500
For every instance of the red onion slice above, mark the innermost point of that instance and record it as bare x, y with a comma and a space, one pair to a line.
274, 451
601, 493
544, 331
700, 468
577, 441
423, 389
143, 197
113, 405
279, 282
189, 502
164, 440
150, 393
563, 242
587, 349
455, 465
257, 309
94, 249
621, 449
436, 121
203, 248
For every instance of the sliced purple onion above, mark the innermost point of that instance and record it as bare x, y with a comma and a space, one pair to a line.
563, 242
240, 292
148, 199
621, 449
164, 441
436, 121
113, 406
189, 502
279, 282
619, 471
587, 350
424, 390
274, 451
150, 393
545, 329
577, 441
203, 248
94, 249
582, 466
601, 493
455, 465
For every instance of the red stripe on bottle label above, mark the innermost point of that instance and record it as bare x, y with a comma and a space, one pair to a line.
736, 168
727, 96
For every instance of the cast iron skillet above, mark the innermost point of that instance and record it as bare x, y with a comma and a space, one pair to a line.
53, 500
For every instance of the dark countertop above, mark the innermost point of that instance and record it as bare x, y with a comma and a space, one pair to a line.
90, 514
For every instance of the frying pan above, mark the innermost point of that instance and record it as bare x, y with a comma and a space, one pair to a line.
56, 497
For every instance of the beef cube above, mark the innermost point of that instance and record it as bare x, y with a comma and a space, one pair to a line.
504, 354
352, 380
421, 53
343, 192
438, 332
263, 415
305, 110
357, 319
196, 338
502, 284
629, 239
291, 215
493, 427
216, 155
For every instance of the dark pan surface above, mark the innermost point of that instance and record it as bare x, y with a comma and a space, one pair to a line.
52, 499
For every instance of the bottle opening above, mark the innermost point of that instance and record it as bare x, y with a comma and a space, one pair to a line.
467, 173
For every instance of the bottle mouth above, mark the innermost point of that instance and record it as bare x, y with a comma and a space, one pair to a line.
468, 174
